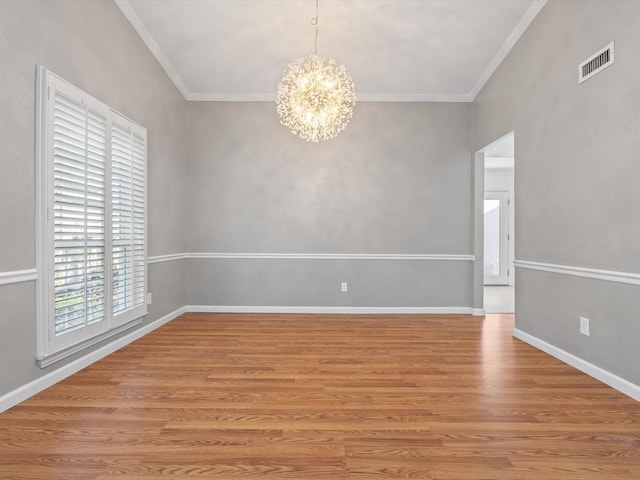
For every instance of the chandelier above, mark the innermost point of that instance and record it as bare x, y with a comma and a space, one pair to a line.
315, 97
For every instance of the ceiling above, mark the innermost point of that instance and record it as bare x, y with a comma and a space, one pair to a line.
395, 50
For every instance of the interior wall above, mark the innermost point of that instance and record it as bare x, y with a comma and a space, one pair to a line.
577, 152
396, 182
93, 46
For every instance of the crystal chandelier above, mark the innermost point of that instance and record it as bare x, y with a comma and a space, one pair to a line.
315, 96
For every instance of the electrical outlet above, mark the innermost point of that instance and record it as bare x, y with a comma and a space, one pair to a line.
584, 326
343, 287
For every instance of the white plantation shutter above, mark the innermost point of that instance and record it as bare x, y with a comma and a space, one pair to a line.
128, 152
78, 214
91, 220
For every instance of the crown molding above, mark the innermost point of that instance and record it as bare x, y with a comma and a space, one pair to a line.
231, 97
130, 14
509, 43
415, 97
361, 97
151, 44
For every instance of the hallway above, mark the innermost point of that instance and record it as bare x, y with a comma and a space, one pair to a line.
499, 299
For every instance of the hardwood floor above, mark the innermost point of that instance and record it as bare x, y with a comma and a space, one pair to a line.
227, 396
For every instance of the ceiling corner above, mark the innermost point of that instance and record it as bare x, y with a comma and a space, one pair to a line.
151, 44
509, 43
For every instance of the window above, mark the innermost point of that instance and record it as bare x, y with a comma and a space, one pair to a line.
91, 220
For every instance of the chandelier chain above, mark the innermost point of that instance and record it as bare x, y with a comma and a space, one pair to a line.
314, 21
315, 96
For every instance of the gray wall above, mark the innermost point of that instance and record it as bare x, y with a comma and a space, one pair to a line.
396, 181
92, 45
577, 162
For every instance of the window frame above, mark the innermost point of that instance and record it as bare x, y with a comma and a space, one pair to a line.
51, 347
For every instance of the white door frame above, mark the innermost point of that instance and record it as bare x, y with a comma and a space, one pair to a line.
478, 228
502, 278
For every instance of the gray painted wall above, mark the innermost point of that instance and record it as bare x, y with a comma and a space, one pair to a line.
396, 181
578, 156
92, 45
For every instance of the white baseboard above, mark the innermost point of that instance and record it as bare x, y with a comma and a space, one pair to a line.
20, 394
330, 310
624, 386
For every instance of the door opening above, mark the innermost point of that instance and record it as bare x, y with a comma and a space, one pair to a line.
496, 238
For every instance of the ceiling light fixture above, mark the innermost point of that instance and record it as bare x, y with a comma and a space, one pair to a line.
315, 96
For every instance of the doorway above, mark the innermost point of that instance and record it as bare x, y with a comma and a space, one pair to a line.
495, 224
496, 238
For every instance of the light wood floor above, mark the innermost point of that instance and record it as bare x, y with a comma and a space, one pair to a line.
222, 396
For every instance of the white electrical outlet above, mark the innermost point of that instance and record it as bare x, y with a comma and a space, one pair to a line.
343, 287
149, 298
584, 326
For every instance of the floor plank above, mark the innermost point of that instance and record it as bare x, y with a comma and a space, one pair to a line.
229, 396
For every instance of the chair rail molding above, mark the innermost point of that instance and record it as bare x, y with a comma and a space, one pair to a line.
309, 256
585, 272
18, 276
331, 256
165, 258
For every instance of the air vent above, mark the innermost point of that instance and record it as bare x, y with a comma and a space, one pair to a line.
596, 63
